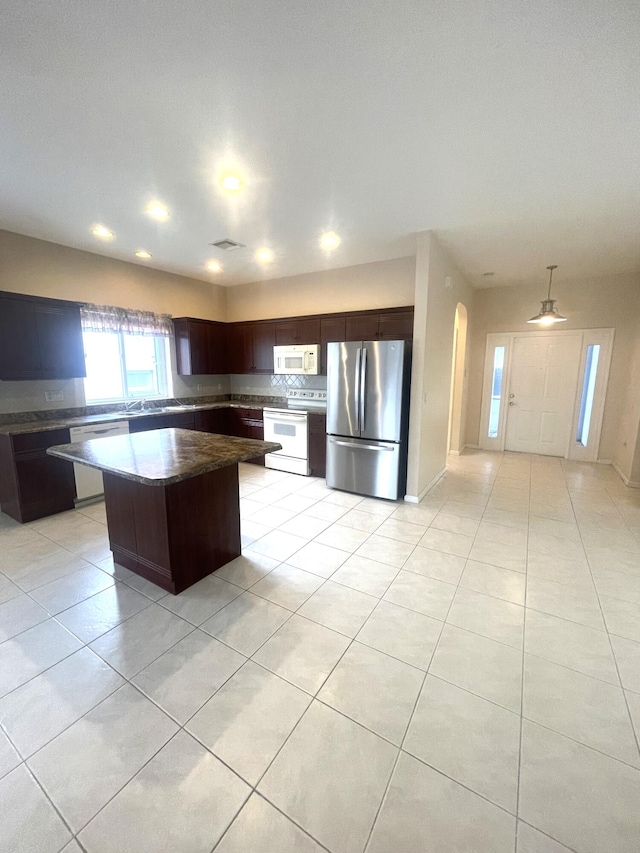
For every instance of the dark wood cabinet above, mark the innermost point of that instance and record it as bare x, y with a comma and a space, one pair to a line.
248, 423
181, 420
396, 327
391, 325
207, 346
298, 330
362, 327
286, 332
263, 342
331, 329
240, 348
32, 483
317, 444
213, 420
251, 347
40, 338
201, 347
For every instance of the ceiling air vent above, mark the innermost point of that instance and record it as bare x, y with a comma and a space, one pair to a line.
228, 245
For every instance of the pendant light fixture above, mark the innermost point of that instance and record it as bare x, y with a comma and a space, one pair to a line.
549, 313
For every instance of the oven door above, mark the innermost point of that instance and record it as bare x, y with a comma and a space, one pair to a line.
289, 429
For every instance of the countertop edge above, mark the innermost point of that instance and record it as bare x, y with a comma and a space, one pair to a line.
60, 452
112, 417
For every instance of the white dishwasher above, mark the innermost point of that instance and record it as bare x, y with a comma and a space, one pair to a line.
89, 485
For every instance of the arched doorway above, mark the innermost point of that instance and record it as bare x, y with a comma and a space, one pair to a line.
456, 432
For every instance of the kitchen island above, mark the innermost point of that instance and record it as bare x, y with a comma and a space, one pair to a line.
172, 500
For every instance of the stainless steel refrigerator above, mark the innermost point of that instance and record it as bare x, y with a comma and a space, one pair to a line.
368, 416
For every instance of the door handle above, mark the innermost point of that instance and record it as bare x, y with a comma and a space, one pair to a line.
357, 386
363, 388
362, 446
511, 396
512, 404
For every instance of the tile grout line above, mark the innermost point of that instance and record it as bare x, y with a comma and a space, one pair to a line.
401, 750
524, 631
635, 734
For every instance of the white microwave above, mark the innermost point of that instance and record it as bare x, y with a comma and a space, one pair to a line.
296, 358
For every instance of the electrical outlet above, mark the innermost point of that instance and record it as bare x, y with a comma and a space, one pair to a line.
198, 387
54, 396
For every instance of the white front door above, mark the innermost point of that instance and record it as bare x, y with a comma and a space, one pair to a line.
542, 393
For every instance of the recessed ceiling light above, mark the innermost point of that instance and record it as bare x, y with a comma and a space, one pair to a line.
214, 266
157, 210
231, 182
102, 232
329, 240
142, 254
264, 255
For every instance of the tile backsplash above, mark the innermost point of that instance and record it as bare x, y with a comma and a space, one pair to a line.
269, 385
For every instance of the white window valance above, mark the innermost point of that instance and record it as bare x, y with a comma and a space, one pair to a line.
108, 318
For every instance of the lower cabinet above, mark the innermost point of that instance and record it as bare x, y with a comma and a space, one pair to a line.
214, 420
248, 423
32, 483
317, 445
240, 421
179, 421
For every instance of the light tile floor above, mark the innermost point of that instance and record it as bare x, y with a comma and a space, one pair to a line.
459, 675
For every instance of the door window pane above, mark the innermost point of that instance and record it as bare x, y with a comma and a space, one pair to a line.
496, 391
588, 390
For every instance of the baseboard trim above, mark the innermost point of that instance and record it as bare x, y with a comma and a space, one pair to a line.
412, 499
633, 484
458, 452
473, 446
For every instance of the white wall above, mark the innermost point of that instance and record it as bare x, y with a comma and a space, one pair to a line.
384, 284
433, 333
612, 302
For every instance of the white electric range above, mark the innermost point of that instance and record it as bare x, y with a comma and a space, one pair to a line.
290, 427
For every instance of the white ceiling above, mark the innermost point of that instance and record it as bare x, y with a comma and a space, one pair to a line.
510, 127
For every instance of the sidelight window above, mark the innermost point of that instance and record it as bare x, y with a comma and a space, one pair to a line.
588, 391
496, 391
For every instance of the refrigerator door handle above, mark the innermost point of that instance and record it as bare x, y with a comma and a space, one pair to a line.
363, 389
357, 386
362, 446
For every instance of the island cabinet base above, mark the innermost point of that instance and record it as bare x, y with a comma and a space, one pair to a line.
177, 534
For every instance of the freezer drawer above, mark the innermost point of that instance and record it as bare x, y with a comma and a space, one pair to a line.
366, 467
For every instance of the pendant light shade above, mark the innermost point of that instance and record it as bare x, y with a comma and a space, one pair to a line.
549, 314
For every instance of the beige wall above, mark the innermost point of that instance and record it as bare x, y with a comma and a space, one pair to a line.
40, 268
47, 269
384, 284
433, 332
612, 302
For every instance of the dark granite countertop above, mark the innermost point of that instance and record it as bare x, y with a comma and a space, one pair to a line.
111, 417
163, 456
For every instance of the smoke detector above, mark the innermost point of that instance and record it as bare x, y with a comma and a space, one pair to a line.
227, 245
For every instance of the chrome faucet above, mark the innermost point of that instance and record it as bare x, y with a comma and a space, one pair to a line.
130, 404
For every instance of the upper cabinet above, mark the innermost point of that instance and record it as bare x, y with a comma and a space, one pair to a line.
383, 325
201, 346
251, 347
40, 338
205, 346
